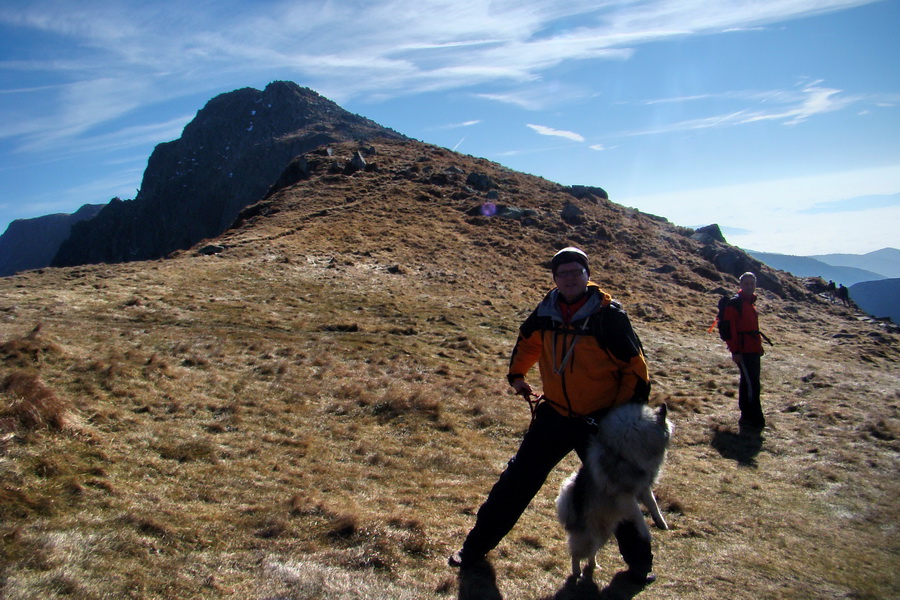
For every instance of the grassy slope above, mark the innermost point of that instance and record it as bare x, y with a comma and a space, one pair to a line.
319, 410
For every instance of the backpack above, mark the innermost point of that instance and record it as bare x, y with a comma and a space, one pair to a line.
725, 326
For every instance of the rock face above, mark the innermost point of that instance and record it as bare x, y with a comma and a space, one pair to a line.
32, 243
227, 157
734, 261
709, 234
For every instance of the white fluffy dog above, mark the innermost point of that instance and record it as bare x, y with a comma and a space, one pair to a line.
624, 460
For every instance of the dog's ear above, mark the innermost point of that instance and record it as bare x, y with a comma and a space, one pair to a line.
663, 411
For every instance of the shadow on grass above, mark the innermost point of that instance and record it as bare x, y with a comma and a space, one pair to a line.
742, 447
622, 587
479, 582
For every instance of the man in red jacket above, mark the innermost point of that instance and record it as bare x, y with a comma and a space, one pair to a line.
746, 349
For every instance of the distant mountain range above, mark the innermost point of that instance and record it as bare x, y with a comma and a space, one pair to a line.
846, 269
885, 261
873, 278
32, 243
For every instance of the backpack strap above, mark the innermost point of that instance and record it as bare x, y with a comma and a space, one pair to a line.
626, 342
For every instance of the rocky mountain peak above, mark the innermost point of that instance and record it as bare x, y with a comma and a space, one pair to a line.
227, 157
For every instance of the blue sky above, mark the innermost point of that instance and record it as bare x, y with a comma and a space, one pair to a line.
777, 119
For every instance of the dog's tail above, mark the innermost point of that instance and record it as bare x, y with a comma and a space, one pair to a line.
570, 503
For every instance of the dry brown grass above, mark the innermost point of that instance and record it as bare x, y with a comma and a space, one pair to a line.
298, 418
27, 404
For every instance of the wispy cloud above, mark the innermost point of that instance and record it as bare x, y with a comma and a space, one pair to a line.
787, 106
463, 124
569, 135
857, 204
126, 55
515, 98
814, 100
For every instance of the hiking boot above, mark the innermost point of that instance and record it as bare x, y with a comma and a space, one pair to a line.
751, 425
641, 575
461, 559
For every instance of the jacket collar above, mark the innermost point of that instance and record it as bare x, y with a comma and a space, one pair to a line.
596, 299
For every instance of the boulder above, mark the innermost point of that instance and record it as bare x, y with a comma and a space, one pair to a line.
709, 234
357, 163
480, 182
572, 214
587, 191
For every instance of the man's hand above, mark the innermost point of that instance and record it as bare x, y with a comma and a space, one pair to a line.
736, 357
522, 388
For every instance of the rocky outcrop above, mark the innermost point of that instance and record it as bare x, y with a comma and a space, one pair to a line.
227, 158
297, 170
733, 261
709, 234
587, 191
32, 243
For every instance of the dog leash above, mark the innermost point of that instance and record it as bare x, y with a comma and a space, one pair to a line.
533, 401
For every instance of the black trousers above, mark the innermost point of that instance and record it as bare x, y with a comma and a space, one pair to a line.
550, 438
748, 393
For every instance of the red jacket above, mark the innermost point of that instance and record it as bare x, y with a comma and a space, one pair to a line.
745, 337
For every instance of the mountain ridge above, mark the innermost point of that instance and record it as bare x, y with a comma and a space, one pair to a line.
226, 158
885, 261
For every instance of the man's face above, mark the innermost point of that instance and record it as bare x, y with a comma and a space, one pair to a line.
571, 279
748, 285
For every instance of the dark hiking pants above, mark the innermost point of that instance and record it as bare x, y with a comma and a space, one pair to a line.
550, 438
748, 394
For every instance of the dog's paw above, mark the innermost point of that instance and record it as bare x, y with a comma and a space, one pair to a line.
588, 572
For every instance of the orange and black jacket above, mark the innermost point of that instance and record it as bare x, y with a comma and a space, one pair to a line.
593, 362
744, 325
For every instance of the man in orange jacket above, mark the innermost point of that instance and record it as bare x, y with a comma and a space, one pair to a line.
590, 360
746, 349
